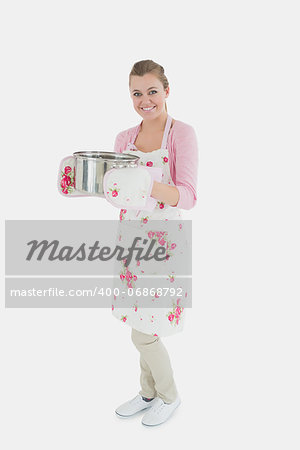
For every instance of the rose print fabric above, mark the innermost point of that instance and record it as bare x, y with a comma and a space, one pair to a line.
157, 321
131, 187
66, 178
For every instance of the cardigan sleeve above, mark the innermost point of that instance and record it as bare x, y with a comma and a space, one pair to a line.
186, 167
119, 143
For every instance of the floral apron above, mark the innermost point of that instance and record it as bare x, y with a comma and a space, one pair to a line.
155, 321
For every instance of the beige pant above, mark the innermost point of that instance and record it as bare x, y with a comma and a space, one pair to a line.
156, 371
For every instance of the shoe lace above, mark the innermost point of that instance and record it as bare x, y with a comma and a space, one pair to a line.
159, 407
135, 399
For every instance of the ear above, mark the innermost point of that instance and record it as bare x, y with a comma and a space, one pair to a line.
167, 91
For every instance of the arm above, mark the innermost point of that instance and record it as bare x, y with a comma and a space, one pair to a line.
165, 193
183, 194
119, 143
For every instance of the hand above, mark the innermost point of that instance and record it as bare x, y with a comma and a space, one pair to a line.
131, 188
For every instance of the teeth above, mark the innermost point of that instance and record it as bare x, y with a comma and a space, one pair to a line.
148, 109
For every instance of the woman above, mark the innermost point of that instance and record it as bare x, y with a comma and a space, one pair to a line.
159, 141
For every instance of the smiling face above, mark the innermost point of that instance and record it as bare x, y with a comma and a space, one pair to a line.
148, 95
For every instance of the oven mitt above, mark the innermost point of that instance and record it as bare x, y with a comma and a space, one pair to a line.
66, 178
131, 188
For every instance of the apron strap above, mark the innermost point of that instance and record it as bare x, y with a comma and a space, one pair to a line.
165, 136
166, 132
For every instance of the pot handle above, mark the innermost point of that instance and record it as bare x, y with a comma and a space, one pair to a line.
66, 178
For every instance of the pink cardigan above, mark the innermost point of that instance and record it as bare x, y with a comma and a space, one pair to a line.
183, 159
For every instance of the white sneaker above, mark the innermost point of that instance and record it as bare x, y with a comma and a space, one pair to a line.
133, 406
160, 411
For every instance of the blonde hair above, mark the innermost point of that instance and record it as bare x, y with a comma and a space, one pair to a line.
140, 68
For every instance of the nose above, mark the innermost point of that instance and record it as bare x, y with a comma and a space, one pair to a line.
146, 102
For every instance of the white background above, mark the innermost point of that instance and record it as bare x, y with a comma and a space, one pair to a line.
233, 69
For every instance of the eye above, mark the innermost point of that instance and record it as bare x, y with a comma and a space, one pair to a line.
137, 94
155, 92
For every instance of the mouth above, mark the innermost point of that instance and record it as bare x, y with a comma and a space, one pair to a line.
151, 108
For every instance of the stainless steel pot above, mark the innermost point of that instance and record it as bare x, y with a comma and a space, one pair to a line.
90, 168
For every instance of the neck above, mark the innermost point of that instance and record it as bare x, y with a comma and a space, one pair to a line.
158, 124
